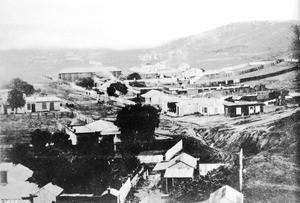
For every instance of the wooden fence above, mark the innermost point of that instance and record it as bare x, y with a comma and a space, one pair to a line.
39, 115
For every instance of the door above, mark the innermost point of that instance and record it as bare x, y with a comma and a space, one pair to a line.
33, 108
51, 106
251, 109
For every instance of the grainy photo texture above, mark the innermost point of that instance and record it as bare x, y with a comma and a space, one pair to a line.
151, 101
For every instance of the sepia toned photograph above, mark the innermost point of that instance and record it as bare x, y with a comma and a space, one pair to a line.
149, 101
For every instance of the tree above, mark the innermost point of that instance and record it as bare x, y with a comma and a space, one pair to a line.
111, 91
118, 86
22, 86
40, 138
87, 82
137, 123
134, 76
15, 99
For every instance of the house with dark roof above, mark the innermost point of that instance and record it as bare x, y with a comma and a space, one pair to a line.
240, 108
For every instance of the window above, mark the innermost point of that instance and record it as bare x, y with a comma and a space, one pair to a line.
44, 105
238, 111
257, 109
28, 106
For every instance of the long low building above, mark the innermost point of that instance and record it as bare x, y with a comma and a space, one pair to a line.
32, 104
181, 106
73, 74
233, 109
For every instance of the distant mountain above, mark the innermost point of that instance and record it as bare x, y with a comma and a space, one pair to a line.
232, 44
228, 45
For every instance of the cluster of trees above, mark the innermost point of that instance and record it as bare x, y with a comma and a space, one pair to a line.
201, 187
15, 96
118, 86
87, 82
20, 85
54, 159
137, 123
134, 76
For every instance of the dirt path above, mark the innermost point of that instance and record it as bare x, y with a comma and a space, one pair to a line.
148, 193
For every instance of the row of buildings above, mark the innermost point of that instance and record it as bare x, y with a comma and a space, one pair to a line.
181, 106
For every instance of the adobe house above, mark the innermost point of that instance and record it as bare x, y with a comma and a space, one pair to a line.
233, 109
42, 104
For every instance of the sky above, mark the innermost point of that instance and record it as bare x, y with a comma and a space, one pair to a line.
125, 24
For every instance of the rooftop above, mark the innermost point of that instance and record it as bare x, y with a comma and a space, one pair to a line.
241, 103
54, 189
179, 173
42, 99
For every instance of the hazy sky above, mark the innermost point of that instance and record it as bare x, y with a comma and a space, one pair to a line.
124, 24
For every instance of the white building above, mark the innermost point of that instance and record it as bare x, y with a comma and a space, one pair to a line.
15, 188
42, 104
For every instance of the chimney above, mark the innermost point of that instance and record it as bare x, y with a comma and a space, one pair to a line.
3, 177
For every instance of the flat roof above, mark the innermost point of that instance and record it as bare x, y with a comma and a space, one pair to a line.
241, 103
42, 99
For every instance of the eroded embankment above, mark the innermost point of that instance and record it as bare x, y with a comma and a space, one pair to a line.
270, 142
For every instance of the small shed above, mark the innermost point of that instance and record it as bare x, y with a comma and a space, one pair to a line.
149, 96
153, 156
233, 109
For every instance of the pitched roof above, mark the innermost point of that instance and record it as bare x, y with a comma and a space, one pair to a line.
104, 127
20, 172
183, 157
151, 93
112, 191
179, 173
54, 189
17, 190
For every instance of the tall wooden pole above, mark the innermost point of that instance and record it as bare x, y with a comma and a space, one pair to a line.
241, 170
241, 174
